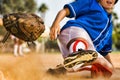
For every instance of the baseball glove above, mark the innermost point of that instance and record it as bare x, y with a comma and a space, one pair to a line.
25, 26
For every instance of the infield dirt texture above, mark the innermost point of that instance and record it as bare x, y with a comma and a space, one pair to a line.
33, 67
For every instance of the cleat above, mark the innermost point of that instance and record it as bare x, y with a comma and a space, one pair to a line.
80, 58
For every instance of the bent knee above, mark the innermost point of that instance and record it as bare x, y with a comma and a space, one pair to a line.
105, 64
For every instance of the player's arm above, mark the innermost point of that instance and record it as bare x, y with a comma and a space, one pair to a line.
61, 15
1, 22
55, 28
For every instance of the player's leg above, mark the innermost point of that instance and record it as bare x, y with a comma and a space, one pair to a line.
76, 43
77, 40
98, 70
20, 50
15, 49
80, 54
107, 57
106, 50
20, 47
65, 38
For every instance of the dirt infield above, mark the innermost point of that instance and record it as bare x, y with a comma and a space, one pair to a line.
33, 67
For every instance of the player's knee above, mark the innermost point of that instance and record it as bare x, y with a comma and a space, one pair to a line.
105, 64
77, 45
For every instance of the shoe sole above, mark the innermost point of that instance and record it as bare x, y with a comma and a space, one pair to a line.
80, 58
57, 71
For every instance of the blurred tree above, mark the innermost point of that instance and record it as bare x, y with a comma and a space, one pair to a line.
42, 9
116, 32
9, 6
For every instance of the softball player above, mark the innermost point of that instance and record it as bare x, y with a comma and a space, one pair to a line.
87, 38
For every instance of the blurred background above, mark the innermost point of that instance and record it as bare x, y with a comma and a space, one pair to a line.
47, 9
33, 66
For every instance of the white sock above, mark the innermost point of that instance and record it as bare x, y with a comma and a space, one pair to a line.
15, 50
20, 50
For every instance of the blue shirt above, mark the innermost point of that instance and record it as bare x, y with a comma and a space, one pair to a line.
91, 16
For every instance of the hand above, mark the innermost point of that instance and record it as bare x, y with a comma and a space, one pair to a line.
54, 31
